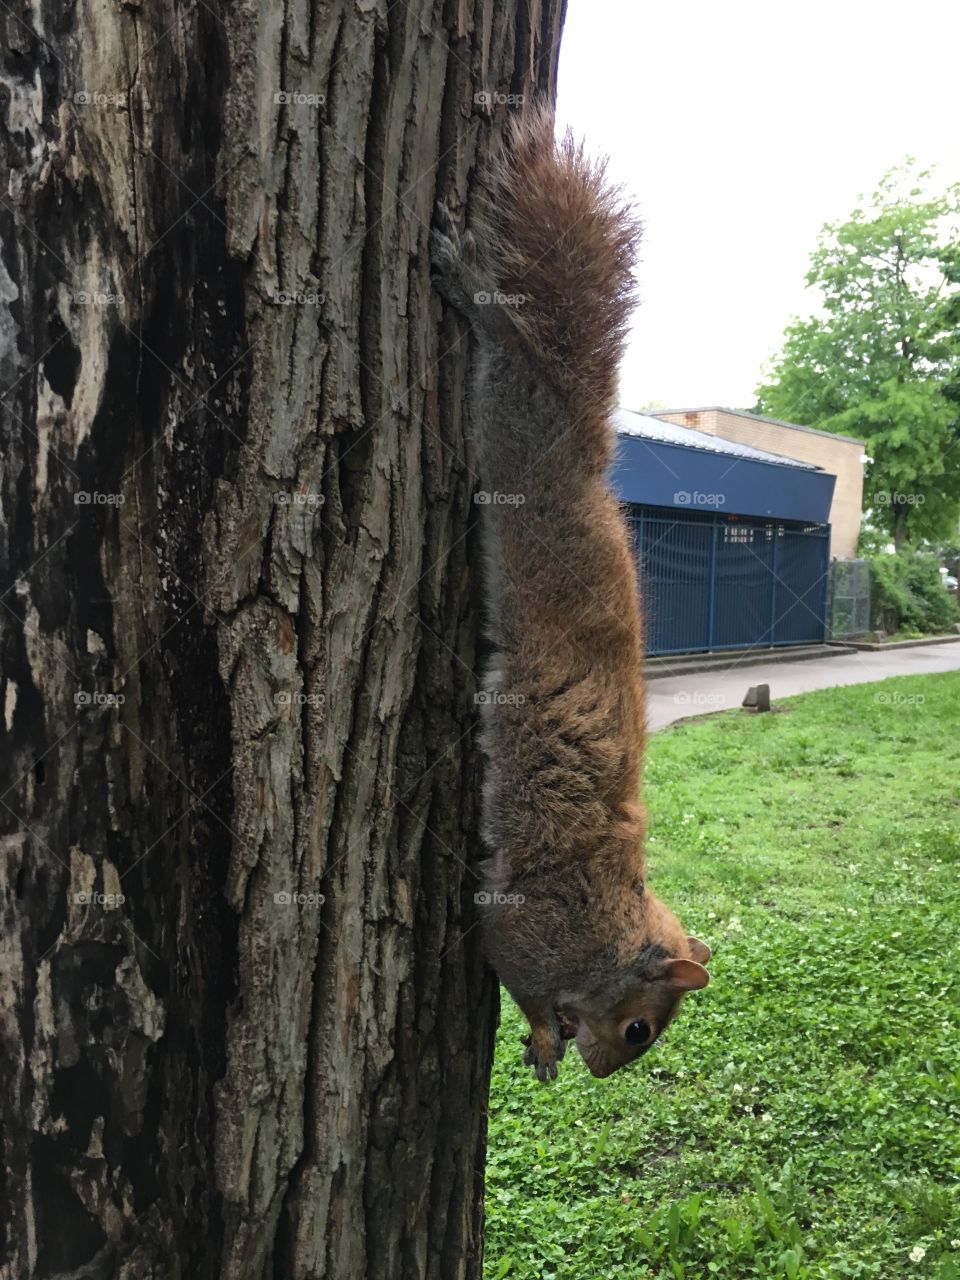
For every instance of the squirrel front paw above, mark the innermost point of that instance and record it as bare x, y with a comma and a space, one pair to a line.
545, 1048
453, 258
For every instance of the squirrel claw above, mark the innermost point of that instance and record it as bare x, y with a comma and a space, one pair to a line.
445, 243
453, 257
544, 1050
446, 222
447, 237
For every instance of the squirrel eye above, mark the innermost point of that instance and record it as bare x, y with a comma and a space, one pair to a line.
637, 1032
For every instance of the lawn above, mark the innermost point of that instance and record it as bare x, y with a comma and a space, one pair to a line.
802, 1116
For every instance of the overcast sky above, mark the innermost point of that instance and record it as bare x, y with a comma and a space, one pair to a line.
739, 129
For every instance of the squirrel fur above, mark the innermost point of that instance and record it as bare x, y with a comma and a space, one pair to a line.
582, 945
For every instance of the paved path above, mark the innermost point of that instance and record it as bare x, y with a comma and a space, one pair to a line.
672, 698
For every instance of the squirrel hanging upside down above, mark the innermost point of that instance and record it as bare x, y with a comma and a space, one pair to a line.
579, 941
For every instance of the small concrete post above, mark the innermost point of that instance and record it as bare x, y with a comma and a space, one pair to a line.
758, 697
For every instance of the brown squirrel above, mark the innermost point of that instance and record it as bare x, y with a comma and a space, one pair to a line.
579, 941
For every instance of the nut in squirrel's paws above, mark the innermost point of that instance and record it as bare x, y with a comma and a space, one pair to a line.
545, 1048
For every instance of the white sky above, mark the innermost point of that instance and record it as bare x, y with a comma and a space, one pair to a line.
739, 129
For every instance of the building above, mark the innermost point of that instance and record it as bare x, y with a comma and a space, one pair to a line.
733, 541
842, 456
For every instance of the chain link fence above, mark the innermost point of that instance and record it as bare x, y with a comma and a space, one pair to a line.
848, 601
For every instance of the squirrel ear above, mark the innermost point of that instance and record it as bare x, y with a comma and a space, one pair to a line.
699, 950
685, 975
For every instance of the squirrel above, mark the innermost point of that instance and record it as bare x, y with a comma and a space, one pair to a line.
582, 945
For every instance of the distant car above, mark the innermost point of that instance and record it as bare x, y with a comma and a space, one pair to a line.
950, 582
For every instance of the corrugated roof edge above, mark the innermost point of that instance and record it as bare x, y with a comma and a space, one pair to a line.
704, 442
757, 417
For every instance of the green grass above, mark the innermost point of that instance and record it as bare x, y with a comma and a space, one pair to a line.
802, 1117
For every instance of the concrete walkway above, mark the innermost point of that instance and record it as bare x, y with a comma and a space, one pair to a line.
671, 698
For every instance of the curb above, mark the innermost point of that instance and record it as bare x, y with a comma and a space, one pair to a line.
870, 647
690, 664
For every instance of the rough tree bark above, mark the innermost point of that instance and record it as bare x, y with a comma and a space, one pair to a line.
245, 1030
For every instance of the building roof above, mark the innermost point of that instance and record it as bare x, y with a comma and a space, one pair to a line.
759, 417
629, 423
659, 464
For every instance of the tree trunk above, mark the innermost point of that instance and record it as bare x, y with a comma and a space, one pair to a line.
899, 523
245, 1028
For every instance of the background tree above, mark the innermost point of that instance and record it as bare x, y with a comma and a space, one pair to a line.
245, 1029
881, 360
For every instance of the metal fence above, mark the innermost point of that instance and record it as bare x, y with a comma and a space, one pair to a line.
848, 610
712, 581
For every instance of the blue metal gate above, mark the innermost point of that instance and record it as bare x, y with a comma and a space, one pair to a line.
713, 581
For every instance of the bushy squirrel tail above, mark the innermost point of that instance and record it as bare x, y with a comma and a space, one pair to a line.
557, 233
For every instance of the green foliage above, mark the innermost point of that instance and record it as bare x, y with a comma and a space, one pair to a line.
907, 595
882, 361
872, 541
800, 1119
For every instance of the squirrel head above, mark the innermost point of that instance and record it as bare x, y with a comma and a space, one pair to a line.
617, 1020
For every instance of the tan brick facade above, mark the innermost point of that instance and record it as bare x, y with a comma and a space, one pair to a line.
839, 455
